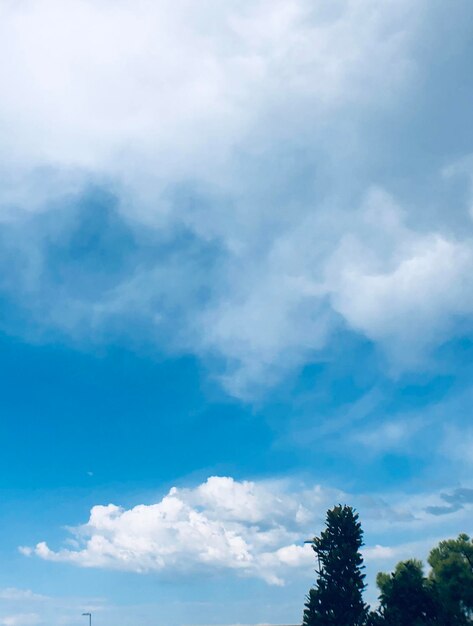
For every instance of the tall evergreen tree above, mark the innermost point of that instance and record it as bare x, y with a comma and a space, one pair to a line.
336, 599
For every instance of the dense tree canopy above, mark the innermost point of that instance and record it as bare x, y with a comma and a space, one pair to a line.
407, 597
452, 575
337, 598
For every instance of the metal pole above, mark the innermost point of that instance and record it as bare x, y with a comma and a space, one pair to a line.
89, 615
311, 541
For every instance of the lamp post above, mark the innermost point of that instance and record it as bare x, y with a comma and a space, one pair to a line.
311, 541
89, 615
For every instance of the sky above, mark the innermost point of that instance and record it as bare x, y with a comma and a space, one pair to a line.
236, 289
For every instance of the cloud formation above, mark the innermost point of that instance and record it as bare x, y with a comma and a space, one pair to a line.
222, 525
454, 502
24, 607
21, 619
247, 528
162, 85
202, 171
11, 593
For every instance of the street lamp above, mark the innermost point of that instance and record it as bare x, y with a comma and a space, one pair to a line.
311, 541
89, 616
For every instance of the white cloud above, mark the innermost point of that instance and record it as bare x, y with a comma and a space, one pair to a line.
384, 558
379, 552
21, 619
405, 289
247, 528
391, 436
11, 593
24, 607
401, 287
245, 103
160, 84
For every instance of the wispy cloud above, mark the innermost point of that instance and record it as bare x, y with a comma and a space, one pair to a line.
11, 593
25, 607
21, 619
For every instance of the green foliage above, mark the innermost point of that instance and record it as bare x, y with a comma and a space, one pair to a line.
407, 597
375, 619
336, 599
452, 574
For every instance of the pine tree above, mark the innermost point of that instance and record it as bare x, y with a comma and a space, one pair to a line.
452, 576
407, 597
336, 599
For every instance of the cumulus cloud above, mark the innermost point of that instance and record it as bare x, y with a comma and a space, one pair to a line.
184, 165
222, 525
168, 83
246, 528
400, 287
404, 290
385, 557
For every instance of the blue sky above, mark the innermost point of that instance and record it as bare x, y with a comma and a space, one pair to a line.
236, 261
